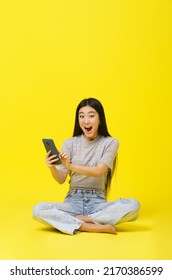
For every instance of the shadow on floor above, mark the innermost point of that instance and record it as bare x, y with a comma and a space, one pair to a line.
132, 228
127, 227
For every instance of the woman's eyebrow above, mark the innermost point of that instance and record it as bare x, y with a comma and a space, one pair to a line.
88, 112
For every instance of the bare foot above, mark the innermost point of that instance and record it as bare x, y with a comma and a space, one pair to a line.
91, 227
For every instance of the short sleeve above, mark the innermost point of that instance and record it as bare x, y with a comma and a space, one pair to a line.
110, 152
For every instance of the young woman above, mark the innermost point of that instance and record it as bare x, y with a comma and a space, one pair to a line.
89, 159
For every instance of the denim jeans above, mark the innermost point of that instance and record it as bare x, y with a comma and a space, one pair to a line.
89, 202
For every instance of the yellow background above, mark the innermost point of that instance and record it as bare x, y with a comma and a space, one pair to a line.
53, 54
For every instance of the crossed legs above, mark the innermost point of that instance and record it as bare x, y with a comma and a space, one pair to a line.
89, 226
122, 210
56, 214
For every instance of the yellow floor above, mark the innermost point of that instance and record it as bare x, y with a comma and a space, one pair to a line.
23, 238
52, 57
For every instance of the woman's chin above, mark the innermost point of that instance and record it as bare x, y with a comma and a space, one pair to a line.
90, 136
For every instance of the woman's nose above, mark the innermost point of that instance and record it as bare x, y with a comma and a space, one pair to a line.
86, 120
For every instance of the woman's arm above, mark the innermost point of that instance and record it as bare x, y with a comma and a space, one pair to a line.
95, 171
60, 177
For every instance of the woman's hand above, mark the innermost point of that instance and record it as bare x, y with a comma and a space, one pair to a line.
60, 177
50, 159
64, 160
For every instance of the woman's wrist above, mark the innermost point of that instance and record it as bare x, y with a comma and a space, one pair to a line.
52, 167
69, 165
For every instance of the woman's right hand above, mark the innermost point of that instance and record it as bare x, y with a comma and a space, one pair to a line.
60, 177
49, 160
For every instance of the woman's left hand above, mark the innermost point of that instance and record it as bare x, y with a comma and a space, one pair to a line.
64, 160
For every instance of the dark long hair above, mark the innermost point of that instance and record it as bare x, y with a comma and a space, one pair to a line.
94, 103
102, 130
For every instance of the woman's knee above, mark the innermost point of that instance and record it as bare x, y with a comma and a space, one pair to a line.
135, 205
36, 210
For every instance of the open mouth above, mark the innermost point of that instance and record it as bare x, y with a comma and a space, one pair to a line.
88, 129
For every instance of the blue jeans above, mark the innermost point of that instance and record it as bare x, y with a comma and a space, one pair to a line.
88, 202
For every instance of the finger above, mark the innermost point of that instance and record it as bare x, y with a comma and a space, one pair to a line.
64, 155
48, 160
54, 160
53, 157
48, 154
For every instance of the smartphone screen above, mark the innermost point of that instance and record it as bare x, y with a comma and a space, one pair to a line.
49, 145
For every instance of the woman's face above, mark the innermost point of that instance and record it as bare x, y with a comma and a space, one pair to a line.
89, 122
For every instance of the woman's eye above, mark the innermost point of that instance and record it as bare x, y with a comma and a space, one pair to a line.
91, 116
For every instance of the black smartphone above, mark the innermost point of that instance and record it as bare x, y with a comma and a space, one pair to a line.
49, 145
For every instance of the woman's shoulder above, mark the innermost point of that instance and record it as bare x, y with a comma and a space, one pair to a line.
110, 140
71, 140
110, 144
